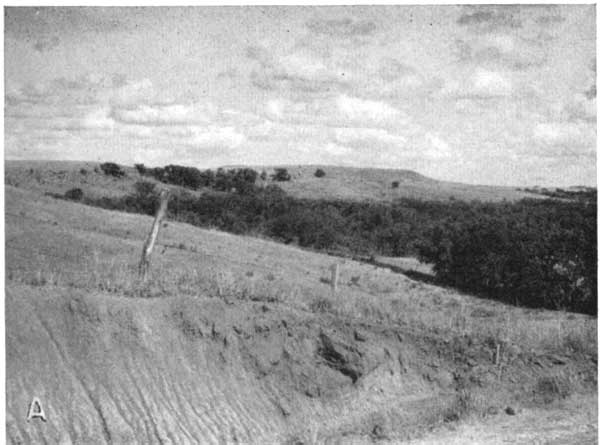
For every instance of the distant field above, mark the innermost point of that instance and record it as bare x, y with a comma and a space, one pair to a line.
376, 184
338, 183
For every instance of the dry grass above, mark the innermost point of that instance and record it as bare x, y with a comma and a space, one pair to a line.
97, 249
66, 245
339, 182
376, 184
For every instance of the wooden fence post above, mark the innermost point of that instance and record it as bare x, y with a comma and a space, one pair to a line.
149, 244
335, 273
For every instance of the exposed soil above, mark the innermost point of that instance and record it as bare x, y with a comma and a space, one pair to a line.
214, 362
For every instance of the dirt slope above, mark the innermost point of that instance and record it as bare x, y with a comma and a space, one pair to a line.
240, 340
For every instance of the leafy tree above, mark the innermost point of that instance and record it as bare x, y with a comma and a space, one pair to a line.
141, 168
319, 173
75, 194
112, 169
281, 175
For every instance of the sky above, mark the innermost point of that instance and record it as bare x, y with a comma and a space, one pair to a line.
502, 95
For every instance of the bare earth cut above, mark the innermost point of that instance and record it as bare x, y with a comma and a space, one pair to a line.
234, 339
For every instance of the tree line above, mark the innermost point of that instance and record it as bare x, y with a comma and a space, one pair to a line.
537, 253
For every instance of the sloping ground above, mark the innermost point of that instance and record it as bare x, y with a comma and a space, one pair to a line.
113, 370
574, 422
239, 340
339, 182
60, 176
376, 184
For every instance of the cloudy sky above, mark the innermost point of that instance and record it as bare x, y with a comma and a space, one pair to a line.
478, 94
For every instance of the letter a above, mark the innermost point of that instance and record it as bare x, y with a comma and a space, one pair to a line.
36, 410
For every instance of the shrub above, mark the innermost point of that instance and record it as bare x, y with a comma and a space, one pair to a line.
141, 168
320, 305
281, 174
75, 194
189, 177
83, 171
145, 199
112, 169
319, 173
143, 189
551, 388
395, 184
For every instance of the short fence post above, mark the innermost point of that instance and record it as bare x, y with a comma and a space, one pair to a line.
149, 244
335, 273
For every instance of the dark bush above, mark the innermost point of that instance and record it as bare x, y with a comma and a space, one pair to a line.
141, 168
83, 171
319, 173
189, 177
75, 194
395, 184
281, 174
112, 169
241, 180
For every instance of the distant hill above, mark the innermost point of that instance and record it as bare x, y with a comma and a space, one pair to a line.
376, 184
349, 183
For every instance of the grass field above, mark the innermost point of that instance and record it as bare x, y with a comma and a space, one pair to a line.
376, 184
241, 340
338, 183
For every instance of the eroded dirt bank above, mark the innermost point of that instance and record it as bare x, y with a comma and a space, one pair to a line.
118, 370
111, 369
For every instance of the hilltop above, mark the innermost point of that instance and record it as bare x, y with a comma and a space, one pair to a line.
375, 184
356, 184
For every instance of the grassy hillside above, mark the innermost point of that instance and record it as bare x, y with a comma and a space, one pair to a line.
239, 340
338, 183
376, 184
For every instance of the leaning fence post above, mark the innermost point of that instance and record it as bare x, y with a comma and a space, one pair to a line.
149, 244
335, 273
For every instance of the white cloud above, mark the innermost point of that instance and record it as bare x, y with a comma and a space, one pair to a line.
98, 119
490, 83
139, 92
337, 149
437, 147
378, 112
354, 135
303, 65
579, 108
213, 136
175, 114
504, 42
565, 138
134, 92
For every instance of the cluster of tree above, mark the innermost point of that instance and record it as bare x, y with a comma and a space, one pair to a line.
533, 253
585, 194
112, 169
539, 253
241, 180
